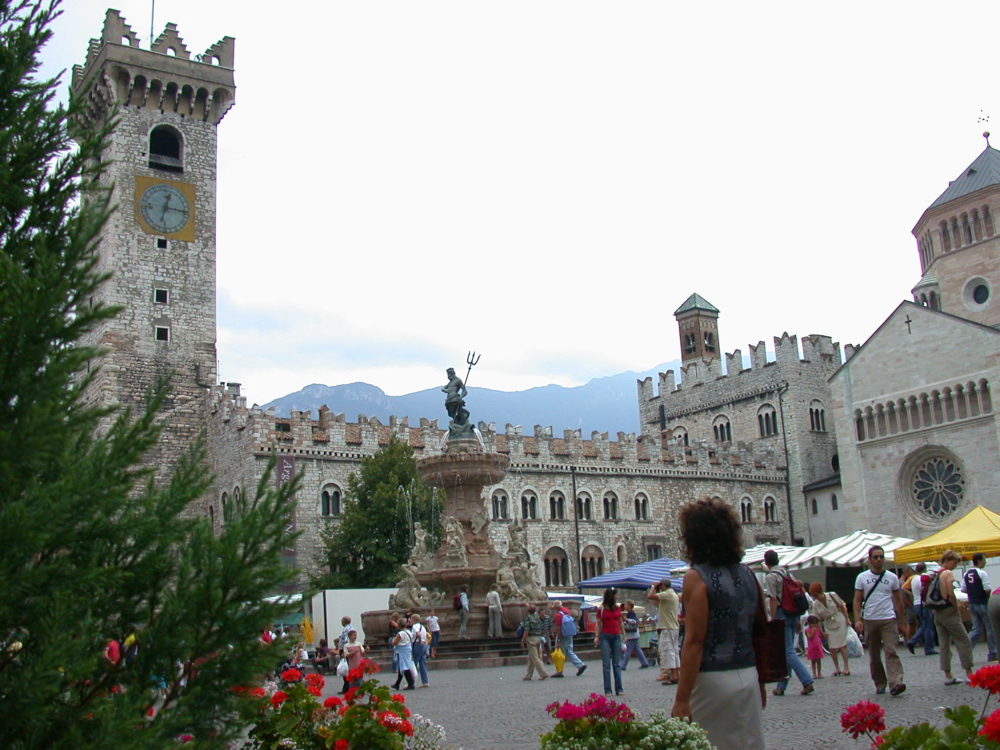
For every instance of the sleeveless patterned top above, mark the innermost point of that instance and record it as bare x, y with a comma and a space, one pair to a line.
732, 606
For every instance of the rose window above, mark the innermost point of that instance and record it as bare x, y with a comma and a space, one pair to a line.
938, 487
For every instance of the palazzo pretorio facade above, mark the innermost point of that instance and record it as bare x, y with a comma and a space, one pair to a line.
775, 434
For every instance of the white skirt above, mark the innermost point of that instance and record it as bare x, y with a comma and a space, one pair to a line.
727, 705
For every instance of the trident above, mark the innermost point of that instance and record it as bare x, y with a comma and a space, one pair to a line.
471, 359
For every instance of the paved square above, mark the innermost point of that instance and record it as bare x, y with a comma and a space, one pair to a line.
494, 709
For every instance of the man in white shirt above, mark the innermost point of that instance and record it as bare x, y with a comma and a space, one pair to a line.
494, 608
878, 613
925, 633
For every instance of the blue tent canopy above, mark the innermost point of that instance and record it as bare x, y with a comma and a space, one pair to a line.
640, 576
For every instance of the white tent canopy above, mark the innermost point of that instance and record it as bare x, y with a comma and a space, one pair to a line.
755, 555
845, 551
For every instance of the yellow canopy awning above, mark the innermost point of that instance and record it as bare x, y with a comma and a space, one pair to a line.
976, 531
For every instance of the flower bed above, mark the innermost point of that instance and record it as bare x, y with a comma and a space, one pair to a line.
602, 724
967, 729
367, 717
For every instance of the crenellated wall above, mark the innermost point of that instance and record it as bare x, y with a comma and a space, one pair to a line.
327, 449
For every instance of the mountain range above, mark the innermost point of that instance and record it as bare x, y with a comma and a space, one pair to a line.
608, 404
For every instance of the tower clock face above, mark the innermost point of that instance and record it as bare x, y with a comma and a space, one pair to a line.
164, 208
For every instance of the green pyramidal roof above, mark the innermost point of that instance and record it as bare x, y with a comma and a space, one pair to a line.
983, 172
696, 302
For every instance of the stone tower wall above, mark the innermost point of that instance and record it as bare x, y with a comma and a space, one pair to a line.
790, 383
143, 89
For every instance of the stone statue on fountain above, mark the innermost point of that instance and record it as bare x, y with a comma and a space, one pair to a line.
455, 552
459, 427
420, 557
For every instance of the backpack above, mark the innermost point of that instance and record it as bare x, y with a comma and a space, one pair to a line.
793, 597
934, 598
568, 625
456, 601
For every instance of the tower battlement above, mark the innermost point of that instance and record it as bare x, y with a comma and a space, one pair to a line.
817, 350
164, 77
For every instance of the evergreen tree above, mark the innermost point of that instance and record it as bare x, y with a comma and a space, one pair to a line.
92, 549
373, 537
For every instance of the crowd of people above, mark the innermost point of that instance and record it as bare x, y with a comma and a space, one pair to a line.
716, 642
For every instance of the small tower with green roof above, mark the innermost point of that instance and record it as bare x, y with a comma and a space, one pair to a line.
698, 326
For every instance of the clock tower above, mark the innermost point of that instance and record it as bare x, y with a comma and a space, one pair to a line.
159, 244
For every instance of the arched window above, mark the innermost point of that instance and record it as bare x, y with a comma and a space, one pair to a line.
680, 435
690, 343
329, 501
557, 506
610, 506
556, 567
709, 340
722, 429
815, 507
584, 511
529, 505
817, 416
641, 507
833, 502
166, 149
767, 420
593, 561
501, 507
746, 510
770, 510
620, 554
225, 508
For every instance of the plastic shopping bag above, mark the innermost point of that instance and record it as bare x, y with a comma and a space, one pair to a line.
854, 649
558, 658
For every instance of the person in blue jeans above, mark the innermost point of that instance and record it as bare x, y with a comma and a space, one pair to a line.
566, 641
772, 590
610, 618
976, 584
926, 633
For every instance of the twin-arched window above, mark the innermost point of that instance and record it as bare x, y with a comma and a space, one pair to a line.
501, 506
329, 501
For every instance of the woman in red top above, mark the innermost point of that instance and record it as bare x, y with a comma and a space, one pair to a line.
609, 636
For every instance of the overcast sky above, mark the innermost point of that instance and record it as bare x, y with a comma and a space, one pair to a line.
545, 182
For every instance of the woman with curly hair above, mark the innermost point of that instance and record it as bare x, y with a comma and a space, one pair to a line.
719, 685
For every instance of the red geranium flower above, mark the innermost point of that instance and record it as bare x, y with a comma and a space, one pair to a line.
987, 678
238, 690
991, 727
864, 717
278, 698
291, 675
332, 701
406, 728
315, 690
314, 678
341, 745
399, 697
355, 675
257, 692
350, 695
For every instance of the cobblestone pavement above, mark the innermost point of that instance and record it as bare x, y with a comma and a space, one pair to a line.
494, 709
